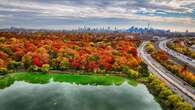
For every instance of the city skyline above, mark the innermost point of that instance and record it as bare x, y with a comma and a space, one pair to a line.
174, 15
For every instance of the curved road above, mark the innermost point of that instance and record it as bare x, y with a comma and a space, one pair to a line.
174, 59
176, 84
184, 58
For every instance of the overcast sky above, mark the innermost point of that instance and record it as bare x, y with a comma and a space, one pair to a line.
176, 15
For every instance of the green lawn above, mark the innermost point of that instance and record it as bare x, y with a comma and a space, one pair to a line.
78, 79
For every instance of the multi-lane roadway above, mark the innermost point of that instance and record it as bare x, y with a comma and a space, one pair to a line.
179, 56
174, 59
179, 86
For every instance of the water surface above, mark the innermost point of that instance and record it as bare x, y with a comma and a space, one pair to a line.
66, 96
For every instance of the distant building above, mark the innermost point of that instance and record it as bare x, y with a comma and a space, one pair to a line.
186, 31
130, 36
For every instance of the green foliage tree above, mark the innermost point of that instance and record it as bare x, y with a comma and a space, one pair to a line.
125, 69
27, 61
133, 74
93, 58
183, 106
33, 68
66, 39
167, 98
13, 65
69, 55
156, 86
2, 39
53, 64
149, 47
3, 71
52, 54
165, 92
64, 65
172, 100
144, 69
7, 50
45, 68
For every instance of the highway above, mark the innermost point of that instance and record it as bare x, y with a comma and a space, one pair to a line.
184, 58
174, 59
176, 84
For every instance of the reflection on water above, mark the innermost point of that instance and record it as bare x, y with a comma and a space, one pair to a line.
66, 96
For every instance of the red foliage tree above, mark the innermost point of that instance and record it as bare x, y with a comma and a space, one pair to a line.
2, 63
75, 62
29, 46
3, 55
92, 65
36, 61
184, 69
134, 51
107, 61
163, 55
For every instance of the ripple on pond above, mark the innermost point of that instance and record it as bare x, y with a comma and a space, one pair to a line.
66, 96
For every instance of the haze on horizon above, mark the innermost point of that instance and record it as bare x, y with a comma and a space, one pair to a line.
176, 15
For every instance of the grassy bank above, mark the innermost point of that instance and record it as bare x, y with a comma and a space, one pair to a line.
72, 78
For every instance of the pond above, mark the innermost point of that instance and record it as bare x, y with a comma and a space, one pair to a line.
66, 96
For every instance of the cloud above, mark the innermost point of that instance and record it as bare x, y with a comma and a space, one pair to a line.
178, 12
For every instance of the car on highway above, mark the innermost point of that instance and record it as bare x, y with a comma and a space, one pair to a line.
189, 59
